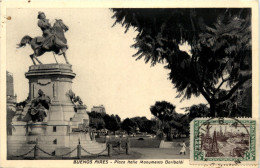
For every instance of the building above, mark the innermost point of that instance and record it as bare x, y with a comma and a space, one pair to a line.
10, 102
10, 97
99, 109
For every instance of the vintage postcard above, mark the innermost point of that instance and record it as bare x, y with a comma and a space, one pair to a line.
129, 83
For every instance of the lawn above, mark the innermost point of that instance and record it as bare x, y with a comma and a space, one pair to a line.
134, 142
144, 143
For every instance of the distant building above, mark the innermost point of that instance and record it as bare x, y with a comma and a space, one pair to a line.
10, 102
10, 97
99, 109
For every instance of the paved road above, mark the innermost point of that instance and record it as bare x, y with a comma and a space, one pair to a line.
162, 153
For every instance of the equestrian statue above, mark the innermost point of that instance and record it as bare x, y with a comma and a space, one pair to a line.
52, 40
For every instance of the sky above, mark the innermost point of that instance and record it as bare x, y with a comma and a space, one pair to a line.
101, 57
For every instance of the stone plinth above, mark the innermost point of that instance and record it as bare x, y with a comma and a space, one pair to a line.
19, 128
55, 80
37, 128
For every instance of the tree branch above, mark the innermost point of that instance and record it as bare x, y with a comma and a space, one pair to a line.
198, 84
204, 93
208, 90
200, 87
246, 78
223, 81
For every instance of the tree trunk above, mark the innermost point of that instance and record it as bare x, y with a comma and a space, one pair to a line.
213, 112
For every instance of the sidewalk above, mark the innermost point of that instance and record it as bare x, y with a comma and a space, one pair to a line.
162, 153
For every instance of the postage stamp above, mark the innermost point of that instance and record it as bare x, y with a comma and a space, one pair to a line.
225, 140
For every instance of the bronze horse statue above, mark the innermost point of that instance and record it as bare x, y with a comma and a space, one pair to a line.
40, 45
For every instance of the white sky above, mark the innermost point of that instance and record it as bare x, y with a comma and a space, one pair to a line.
100, 56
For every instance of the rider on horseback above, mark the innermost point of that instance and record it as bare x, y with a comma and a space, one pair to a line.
52, 40
49, 38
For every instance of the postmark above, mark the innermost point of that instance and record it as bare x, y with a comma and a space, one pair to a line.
223, 140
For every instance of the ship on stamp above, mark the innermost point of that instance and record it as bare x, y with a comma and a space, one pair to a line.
223, 140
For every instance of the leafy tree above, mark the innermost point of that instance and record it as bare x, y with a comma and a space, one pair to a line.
144, 124
200, 110
182, 124
239, 105
149, 126
163, 110
112, 123
97, 123
94, 114
139, 122
96, 120
100, 121
9, 116
220, 42
129, 126
118, 118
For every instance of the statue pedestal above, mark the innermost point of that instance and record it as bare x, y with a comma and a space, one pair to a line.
37, 128
63, 126
55, 80
19, 128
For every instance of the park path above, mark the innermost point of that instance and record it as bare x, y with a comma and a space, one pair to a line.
162, 153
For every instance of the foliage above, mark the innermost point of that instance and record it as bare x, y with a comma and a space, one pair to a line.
111, 122
144, 124
163, 110
118, 118
96, 120
9, 116
239, 105
220, 41
94, 114
97, 123
100, 121
149, 126
195, 111
129, 125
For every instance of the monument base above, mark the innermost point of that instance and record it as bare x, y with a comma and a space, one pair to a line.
37, 128
65, 123
20, 145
